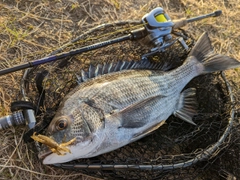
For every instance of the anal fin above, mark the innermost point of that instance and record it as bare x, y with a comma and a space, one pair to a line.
186, 106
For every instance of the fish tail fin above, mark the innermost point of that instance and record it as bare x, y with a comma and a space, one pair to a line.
203, 52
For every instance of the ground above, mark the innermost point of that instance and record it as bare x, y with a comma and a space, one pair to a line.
32, 29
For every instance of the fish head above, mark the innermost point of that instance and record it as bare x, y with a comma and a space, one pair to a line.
81, 122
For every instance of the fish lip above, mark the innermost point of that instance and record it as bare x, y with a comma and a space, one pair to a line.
44, 153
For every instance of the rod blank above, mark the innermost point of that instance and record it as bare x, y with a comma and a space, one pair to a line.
65, 54
183, 22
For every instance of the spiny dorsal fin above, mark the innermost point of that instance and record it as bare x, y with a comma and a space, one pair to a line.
91, 71
84, 75
106, 68
186, 106
98, 70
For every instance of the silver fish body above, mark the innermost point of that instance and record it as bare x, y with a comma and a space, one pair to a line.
115, 109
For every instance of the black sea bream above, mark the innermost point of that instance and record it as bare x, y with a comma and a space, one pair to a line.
112, 110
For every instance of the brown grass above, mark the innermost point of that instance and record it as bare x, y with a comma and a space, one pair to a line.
32, 29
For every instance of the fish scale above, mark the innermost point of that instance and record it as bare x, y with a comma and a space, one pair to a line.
116, 93
120, 100
136, 88
111, 110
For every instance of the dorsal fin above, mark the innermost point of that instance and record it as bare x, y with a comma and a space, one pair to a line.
118, 66
94, 71
98, 70
84, 76
105, 68
91, 71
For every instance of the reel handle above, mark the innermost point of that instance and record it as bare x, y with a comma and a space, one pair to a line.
14, 119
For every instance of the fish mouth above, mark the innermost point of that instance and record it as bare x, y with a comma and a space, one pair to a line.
45, 151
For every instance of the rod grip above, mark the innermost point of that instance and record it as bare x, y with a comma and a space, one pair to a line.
14, 119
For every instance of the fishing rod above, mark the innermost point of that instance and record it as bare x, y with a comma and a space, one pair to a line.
157, 28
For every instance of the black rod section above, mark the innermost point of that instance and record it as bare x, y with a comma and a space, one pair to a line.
65, 54
214, 14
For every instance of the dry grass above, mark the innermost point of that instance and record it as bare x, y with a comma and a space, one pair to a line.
31, 29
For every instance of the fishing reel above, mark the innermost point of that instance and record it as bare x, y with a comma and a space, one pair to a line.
158, 25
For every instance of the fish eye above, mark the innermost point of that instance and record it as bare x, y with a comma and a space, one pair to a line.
61, 124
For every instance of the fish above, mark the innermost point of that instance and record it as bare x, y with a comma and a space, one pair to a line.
108, 111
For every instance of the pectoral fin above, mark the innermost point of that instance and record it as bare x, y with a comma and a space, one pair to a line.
139, 114
186, 107
147, 131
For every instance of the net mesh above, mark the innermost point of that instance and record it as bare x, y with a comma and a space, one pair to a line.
177, 149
